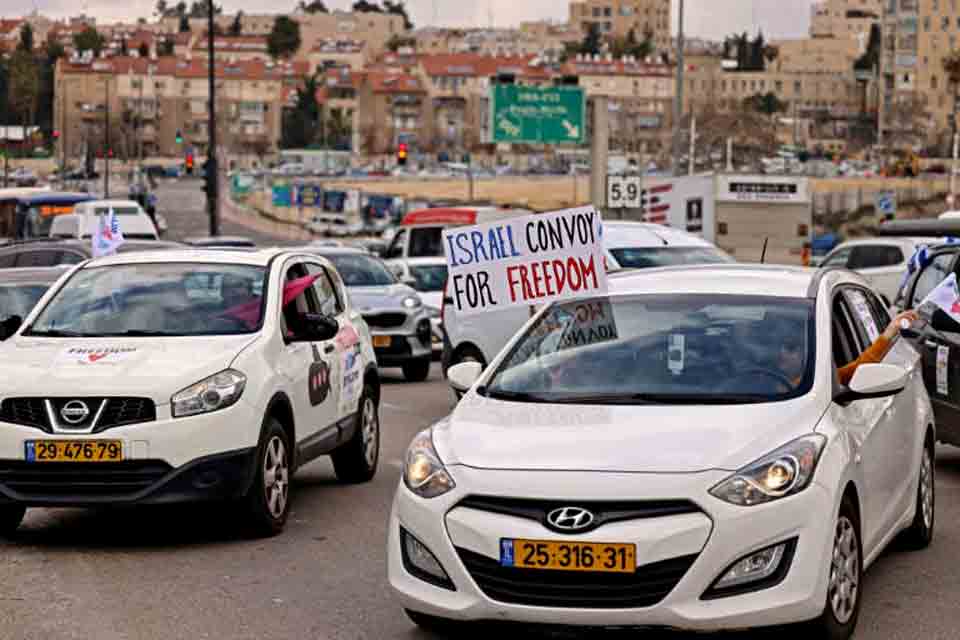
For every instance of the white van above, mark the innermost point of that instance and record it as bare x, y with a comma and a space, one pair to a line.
135, 224
421, 232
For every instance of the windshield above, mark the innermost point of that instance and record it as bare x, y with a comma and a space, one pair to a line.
648, 257
693, 349
362, 271
38, 218
426, 242
429, 277
156, 300
19, 299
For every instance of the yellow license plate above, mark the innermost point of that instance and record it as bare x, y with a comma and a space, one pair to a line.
568, 556
381, 341
74, 450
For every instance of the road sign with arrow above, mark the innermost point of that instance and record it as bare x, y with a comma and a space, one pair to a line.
537, 115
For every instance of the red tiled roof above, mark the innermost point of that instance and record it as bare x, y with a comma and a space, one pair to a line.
614, 68
7, 26
384, 82
473, 65
171, 66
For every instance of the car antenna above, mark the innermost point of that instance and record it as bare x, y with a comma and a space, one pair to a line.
763, 254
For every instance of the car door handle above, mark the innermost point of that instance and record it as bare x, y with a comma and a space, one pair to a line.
329, 348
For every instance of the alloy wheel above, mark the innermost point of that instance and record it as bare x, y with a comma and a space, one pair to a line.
844, 587
276, 477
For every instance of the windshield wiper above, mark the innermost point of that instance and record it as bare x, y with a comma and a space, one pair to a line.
514, 396
654, 398
55, 333
139, 333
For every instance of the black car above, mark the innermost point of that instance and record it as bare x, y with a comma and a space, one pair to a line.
50, 253
20, 289
938, 340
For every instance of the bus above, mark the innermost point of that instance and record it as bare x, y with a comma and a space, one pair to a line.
30, 216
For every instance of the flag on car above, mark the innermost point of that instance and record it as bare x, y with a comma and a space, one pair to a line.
946, 296
107, 236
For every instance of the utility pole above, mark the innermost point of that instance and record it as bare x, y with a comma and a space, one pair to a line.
599, 152
212, 172
693, 141
678, 98
106, 151
953, 169
63, 133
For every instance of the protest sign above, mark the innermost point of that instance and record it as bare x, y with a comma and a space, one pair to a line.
526, 260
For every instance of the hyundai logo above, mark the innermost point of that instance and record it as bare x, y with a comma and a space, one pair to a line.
74, 412
570, 519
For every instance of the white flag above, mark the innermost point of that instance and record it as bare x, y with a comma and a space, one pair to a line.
946, 296
107, 236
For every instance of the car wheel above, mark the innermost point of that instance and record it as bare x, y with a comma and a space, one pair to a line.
417, 371
356, 461
432, 624
920, 533
11, 515
268, 501
840, 613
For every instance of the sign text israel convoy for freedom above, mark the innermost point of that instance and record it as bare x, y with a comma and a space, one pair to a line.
528, 260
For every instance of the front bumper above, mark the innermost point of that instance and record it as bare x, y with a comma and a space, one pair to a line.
401, 350
197, 458
716, 538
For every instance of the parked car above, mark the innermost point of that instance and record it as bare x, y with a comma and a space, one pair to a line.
629, 245
698, 468
21, 289
186, 376
882, 261
398, 321
53, 252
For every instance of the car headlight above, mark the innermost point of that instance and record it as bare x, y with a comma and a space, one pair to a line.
423, 473
786, 471
219, 391
412, 302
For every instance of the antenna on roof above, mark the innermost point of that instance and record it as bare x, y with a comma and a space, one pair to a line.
763, 254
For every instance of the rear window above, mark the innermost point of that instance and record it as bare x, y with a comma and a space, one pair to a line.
648, 257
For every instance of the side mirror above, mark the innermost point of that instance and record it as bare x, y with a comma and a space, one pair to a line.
10, 326
463, 376
874, 381
318, 328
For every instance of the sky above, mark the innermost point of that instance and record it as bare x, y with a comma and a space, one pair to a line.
706, 18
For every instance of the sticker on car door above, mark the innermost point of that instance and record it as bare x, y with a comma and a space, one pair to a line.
943, 381
318, 382
863, 313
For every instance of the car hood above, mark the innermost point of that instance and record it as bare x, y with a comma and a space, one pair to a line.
492, 434
155, 368
367, 299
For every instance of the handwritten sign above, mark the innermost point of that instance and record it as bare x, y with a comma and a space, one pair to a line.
527, 260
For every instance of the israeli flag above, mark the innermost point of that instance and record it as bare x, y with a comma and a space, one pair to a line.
107, 236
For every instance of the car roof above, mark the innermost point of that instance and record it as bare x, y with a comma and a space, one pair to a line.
333, 251
727, 279
618, 234
83, 245
111, 203
259, 258
427, 262
57, 197
219, 241
32, 275
892, 240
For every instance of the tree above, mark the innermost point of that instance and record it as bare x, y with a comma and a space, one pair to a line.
314, 6
143, 50
165, 47
161, 9
124, 50
871, 57
592, 40
184, 24
55, 51
765, 103
26, 38
236, 28
89, 40
24, 86
756, 52
200, 9
397, 42
399, 9
362, 6
770, 53
300, 126
284, 39
742, 43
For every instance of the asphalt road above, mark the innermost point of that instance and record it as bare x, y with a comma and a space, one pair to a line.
184, 572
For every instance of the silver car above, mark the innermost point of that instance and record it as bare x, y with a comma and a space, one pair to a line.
398, 320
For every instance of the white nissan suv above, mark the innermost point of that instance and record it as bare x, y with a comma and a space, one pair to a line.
185, 376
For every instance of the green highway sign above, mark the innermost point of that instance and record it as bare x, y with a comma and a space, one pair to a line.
534, 115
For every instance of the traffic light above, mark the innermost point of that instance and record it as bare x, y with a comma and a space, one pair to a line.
179, 137
56, 134
189, 164
402, 154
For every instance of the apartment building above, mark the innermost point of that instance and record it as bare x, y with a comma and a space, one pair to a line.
816, 55
393, 109
146, 101
616, 18
230, 48
844, 18
331, 52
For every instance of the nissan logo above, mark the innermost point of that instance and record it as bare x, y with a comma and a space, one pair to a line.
570, 519
74, 412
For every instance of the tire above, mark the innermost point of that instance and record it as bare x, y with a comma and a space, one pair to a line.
11, 515
267, 504
417, 371
920, 533
431, 624
839, 618
356, 461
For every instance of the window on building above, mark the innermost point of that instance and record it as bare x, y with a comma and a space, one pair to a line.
945, 22
778, 85
597, 12
926, 23
797, 86
607, 12
933, 83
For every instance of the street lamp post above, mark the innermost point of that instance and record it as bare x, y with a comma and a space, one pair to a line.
678, 98
212, 172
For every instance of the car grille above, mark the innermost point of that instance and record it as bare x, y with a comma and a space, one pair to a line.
385, 320
576, 589
604, 512
32, 480
32, 412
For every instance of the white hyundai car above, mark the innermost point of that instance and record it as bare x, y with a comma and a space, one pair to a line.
678, 453
181, 376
